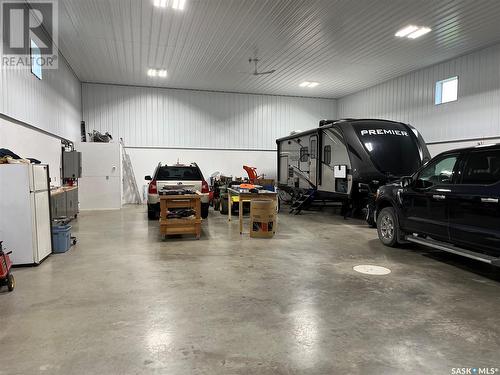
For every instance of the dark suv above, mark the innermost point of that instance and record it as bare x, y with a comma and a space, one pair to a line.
451, 204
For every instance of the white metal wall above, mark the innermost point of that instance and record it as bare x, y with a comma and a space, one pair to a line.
52, 104
146, 117
410, 98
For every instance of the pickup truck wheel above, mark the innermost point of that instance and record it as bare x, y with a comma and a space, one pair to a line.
388, 227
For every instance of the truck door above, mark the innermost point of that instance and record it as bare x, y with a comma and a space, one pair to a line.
474, 203
425, 201
313, 159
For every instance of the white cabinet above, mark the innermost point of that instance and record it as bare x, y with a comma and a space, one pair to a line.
100, 186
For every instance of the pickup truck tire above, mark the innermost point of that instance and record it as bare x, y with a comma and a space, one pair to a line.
204, 210
388, 227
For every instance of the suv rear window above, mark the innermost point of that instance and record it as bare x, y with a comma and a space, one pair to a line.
173, 173
482, 168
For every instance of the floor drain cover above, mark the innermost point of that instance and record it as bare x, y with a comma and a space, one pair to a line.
371, 270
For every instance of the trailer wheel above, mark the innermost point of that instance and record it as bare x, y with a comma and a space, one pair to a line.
11, 282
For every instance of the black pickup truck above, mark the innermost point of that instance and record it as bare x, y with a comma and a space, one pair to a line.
451, 204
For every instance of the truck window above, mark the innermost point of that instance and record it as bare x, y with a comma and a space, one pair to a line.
482, 168
438, 172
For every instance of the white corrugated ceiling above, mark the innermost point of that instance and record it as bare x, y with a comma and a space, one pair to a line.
345, 45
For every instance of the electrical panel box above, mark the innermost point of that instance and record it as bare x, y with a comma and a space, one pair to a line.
72, 164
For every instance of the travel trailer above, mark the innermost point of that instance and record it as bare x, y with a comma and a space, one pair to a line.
347, 160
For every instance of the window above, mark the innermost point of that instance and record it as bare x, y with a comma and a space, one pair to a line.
446, 90
304, 154
438, 172
482, 168
327, 154
36, 67
171, 173
314, 142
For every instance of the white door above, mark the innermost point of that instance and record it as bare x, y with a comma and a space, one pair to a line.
42, 226
100, 159
283, 177
313, 158
99, 193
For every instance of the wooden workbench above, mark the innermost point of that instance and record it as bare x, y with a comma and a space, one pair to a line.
183, 225
247, 197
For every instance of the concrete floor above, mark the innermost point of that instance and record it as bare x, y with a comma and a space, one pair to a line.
124, 302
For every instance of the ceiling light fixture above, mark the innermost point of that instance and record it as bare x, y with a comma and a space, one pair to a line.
178, 4
160, 3
406, 31
412, 31
162, 73
419, 33
309, 84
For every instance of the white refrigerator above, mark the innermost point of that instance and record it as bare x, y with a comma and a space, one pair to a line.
25, 212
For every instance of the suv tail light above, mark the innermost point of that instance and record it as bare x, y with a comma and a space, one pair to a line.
152, 189
204, 187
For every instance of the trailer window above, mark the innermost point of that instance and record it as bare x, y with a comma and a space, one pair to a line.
304, 154
327, 154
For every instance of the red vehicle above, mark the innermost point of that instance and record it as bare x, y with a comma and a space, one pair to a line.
6, 277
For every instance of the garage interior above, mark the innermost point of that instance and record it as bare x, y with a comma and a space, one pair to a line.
207, 105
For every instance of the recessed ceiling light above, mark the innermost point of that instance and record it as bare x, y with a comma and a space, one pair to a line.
162, 73
419, 32
406, 30
412, 31
178, 4
175, 4
160, 3
309, 84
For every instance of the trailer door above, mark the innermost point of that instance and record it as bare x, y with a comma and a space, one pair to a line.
313, 160
283, 177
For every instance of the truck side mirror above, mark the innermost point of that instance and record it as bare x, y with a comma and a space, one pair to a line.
148, 178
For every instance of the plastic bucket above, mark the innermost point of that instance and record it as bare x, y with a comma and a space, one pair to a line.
61, 238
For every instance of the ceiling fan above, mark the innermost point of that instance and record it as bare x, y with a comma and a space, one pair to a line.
256, 72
